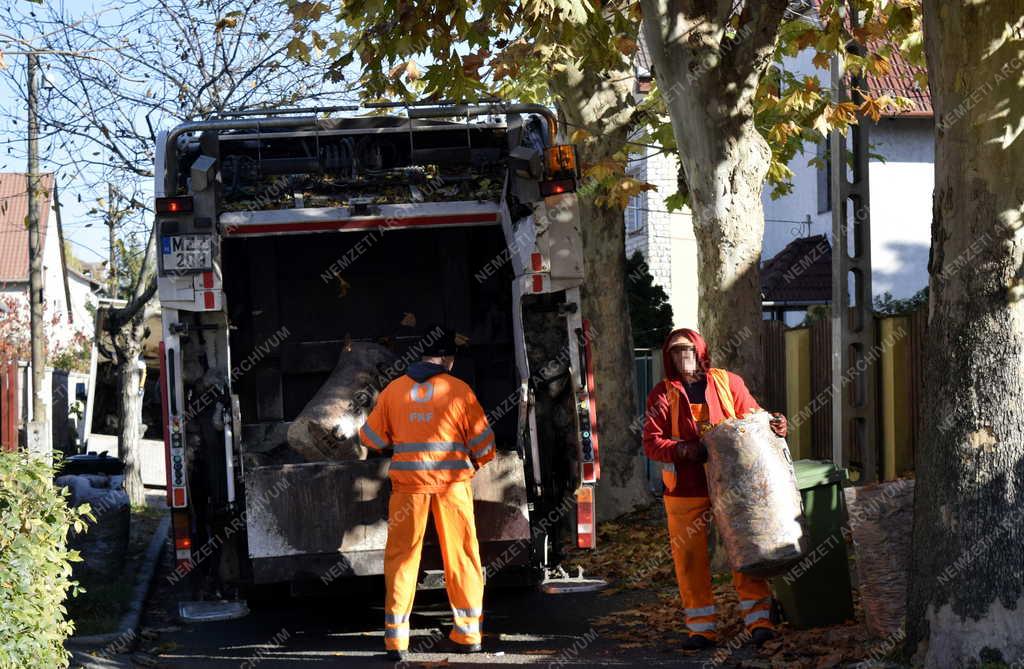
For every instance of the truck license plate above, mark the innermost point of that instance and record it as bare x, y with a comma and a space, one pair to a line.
188, 253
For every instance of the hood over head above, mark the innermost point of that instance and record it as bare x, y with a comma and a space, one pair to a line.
703, 357
421, 371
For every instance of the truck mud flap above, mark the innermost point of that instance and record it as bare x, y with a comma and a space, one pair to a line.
323, 520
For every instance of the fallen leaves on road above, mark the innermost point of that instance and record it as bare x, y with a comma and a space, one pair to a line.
824, 647
633, 554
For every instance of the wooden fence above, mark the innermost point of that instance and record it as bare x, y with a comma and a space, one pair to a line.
809, 394
9, 406
798, 382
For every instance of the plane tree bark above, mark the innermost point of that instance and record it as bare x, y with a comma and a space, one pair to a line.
708, 63
966, 595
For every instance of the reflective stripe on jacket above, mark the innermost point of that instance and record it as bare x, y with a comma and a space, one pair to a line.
437, 429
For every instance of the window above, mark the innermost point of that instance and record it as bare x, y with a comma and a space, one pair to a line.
636, 208
825, 175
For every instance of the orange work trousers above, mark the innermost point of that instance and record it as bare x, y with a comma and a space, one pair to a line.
463, 573
688, 519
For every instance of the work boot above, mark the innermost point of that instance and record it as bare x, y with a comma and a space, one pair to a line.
761, 635
696, 642
397, 655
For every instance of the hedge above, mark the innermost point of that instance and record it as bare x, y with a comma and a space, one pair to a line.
35, 563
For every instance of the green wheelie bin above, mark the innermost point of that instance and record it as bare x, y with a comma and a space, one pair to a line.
815, 592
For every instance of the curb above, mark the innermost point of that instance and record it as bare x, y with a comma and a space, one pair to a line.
128, 628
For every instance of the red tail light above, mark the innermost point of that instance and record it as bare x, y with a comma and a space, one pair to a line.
182, 530
173, 205
557, 187
586, 530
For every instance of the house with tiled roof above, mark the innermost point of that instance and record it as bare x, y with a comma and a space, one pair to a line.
66, 294
901, 182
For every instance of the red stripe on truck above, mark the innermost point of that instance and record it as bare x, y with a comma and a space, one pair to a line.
358, 224
165, 410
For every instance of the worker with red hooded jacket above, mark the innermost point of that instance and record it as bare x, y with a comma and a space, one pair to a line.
692, 398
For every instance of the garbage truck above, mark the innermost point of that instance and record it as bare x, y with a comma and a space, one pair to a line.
286, 238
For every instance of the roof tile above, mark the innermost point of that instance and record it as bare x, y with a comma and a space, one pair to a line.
13, 222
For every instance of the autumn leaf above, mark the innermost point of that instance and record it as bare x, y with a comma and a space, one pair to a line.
626, 45
821, 124
298, 50
806, 39
627, 187
226, 22
879, 65
875, 107
308, 11
603, 169
822, 60
471, 64
842, 114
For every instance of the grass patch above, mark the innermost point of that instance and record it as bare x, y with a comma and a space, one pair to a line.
98, 609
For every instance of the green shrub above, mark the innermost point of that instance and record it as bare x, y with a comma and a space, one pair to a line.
35, 563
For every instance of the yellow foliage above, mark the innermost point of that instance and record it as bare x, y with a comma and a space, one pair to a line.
619, 194
842, 114
603, 169
875, 107
627, 45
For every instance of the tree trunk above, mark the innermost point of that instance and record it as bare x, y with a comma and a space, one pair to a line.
728, 222
966, 594
623, 486
129, 440
708, 76
127, 328
601, 103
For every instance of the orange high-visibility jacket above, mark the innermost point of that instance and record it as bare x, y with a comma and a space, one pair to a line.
437, 428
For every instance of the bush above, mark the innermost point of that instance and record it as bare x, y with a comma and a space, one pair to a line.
35, 563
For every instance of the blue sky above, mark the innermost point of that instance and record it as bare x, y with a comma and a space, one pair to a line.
87, 234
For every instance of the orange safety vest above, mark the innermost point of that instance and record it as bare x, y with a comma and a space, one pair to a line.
437, 428
718, 380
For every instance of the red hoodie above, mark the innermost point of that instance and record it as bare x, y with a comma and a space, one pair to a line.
660, 437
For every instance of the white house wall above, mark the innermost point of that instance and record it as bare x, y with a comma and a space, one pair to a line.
901, 200
667, 240
901, 204
784, 217
901, 193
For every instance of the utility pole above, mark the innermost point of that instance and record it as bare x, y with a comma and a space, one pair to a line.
112, 218
38, 430
854, 408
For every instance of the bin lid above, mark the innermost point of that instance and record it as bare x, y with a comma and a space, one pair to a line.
811, 473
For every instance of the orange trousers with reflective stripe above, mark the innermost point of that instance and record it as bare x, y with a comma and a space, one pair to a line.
688, 520
463, 573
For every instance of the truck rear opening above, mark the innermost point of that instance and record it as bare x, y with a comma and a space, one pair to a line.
313, 292
286, 243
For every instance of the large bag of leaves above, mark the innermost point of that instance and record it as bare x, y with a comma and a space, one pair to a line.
881, 518
326, 428
104, 545
754, 496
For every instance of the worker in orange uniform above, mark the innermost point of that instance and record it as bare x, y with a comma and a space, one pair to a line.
440, 438
691, 399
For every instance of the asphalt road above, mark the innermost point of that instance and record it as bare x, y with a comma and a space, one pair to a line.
522, 627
